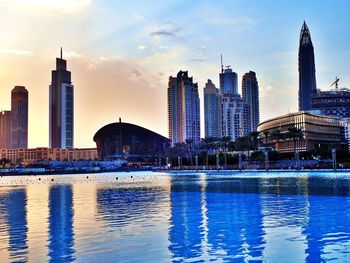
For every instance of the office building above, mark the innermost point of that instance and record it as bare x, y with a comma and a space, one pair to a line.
233, 109
228, 81
19, 117
318, 131
61, 104
183, 109
307, 72
5, 129
212, 110
333, 103
250, 94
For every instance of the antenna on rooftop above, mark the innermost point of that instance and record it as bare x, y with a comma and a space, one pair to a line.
61, 52
222, 65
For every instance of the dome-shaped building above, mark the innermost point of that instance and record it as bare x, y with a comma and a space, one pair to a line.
128, 141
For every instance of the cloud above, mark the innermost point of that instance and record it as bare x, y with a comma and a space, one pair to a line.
16, 52
166, 33
141, 47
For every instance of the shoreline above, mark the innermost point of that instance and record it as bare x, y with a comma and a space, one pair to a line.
175, 171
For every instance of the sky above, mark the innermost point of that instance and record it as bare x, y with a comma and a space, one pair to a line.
121, 54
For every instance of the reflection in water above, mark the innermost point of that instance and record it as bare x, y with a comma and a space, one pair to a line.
17, 225
231, 225
183, 218
61, 235
328, 231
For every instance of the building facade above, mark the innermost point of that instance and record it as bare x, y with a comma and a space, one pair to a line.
250, 94
183, 109
318, 131
61, 104
122, 140
228, 81
5, 129
212, 110
19, 118
233, 108
307, 71
333, 103
34, 155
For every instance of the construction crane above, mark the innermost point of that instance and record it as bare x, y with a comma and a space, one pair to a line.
335, 83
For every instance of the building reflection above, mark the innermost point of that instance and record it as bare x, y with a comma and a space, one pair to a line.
61, 233
212, 218
328, 230
37, 218
17, 225
186, 221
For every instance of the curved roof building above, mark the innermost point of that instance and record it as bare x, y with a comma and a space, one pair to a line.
129, 141
317, 130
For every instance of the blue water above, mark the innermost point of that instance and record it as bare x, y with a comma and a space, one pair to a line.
154, 217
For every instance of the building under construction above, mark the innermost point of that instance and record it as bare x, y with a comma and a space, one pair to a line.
333, 103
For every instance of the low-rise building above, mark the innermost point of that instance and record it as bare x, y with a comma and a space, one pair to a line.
34, 155
318, 131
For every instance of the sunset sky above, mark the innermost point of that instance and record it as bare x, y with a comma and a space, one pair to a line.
121, 54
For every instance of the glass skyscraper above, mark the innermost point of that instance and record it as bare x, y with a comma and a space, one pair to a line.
19, 117
183, 109
212, 110
307, 72
233, 109
61, 106
5, 129
250, 93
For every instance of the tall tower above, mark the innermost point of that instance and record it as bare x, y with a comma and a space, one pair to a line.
19, 117
212, 110
233, 108
5, 129
307, 72
183, 109
250, 94
61, 103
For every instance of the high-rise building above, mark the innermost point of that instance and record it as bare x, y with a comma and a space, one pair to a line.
333, 102
19, 117
5, 129
250, 94
212, 110
228, 81
307, 72
61, 106
233, 109
183, 109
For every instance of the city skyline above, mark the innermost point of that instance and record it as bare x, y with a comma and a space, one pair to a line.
120, 67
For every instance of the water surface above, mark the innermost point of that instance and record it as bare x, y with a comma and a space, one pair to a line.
159, 217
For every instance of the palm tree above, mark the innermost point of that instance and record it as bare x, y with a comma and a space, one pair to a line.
277, 136
295, 134
207, 143
266, 135
254, 137
225, 140
189, 143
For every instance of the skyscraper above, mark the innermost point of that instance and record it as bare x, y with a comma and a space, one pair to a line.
61, 92
307, 72
250, 94
183, 109
234, 110
5, 129
228, 81
212, 110
19, 117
